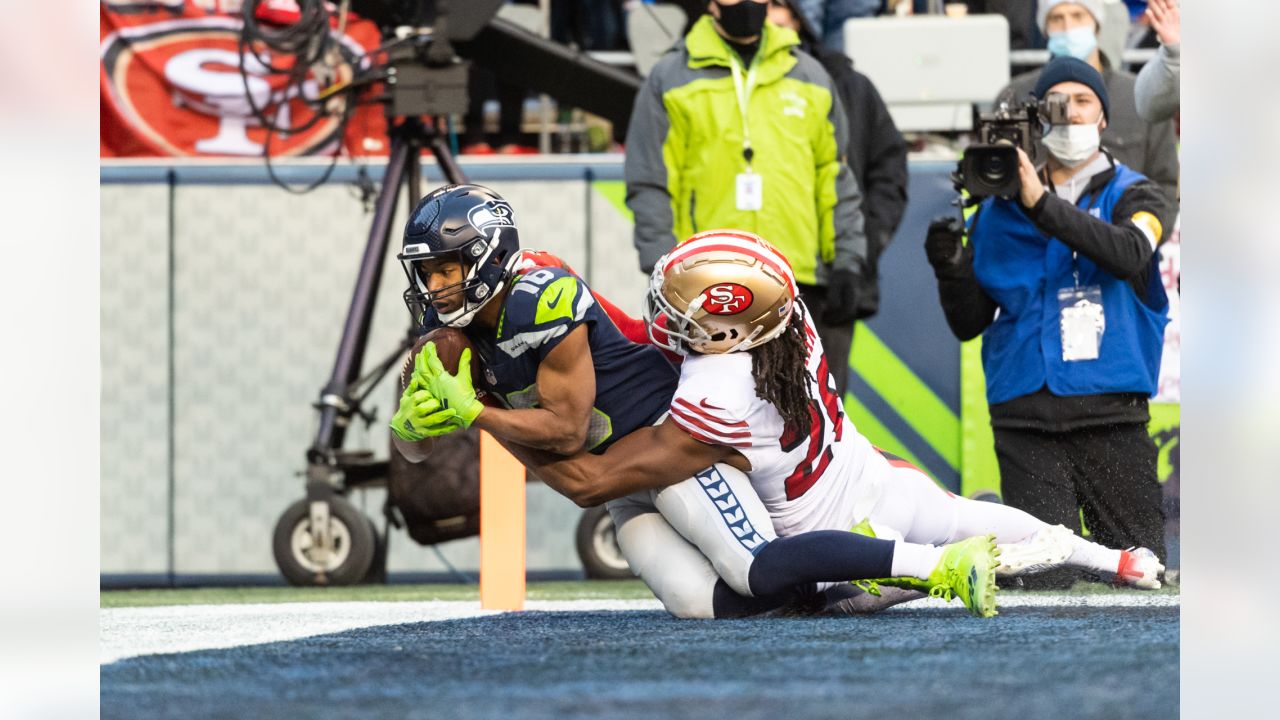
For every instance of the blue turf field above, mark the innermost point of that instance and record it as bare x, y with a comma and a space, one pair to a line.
1031, 662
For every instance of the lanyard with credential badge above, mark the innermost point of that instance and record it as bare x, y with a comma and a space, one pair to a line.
743, 91
1081, 318
750, 186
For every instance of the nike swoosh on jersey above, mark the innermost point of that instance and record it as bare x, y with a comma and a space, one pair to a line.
552, 303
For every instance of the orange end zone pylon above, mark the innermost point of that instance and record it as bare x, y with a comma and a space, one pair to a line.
502, 523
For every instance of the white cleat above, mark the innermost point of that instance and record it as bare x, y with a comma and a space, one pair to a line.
1048, 548
1139, 568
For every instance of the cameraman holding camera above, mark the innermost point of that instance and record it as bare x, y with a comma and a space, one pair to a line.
1062, 282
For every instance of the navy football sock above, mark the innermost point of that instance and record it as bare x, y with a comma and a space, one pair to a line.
726, 603
820, 556
802, 600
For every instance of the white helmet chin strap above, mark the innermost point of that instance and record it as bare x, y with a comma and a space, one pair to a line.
461, 317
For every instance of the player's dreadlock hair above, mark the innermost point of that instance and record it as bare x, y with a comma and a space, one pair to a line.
778, 367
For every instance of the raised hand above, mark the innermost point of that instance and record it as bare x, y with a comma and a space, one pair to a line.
1166, 19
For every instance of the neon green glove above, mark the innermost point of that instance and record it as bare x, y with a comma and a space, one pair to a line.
420, 415
455, 392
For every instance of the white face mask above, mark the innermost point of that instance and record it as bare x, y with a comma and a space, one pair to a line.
1073, 144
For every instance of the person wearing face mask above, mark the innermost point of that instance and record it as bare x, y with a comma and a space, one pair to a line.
1063, 284
737, 127
1072, 28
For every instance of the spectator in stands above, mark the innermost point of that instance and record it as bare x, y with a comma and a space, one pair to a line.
588, 24
1063, 283
828, 18
1156, 92
878, 158
1072, 27
739, 128
483, 85
1135, 7
1023, 33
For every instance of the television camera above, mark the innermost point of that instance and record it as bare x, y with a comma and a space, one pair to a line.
990, 166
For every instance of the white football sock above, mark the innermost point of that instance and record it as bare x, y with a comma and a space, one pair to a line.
911, 560
1092, 556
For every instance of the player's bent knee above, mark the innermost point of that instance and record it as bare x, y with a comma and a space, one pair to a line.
689, 598
719, 513
679, 576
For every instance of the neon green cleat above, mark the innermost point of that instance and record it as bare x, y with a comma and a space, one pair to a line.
968, 571
863, 528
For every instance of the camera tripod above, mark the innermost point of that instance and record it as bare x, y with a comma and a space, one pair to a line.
323, 539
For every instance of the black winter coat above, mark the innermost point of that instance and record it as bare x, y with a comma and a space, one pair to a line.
878, 158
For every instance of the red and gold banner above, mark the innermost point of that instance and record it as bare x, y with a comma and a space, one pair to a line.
171, 86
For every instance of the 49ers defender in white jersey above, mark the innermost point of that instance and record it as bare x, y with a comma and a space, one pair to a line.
756, 439
830, 477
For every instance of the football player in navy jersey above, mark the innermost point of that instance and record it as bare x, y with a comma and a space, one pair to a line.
569, 382
565, 377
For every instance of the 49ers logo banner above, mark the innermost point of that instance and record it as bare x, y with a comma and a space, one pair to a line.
726, 299
171, 86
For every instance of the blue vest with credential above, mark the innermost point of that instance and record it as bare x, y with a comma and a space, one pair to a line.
1022, 269
634, 383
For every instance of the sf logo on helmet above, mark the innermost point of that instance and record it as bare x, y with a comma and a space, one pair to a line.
726, 299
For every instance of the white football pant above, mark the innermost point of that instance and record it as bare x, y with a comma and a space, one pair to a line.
679, 540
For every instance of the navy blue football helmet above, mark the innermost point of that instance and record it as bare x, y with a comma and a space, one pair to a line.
468, 224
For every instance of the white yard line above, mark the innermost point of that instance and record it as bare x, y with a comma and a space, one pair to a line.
129, 632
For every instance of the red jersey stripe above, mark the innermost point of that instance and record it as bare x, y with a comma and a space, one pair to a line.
697, 428
700, 437
702, 413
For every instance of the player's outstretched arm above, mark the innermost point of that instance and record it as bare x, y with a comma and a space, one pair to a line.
651, 457
566, 394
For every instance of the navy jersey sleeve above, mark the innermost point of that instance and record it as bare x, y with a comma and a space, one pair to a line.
542, 307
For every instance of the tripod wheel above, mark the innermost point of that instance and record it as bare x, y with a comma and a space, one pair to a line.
598, 549
348, 556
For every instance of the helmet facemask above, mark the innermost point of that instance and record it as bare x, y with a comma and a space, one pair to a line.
467, 224
476, 290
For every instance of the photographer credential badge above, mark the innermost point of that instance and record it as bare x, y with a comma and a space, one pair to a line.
1082, 322
750, 193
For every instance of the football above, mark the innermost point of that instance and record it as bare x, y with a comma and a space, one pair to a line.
450, 342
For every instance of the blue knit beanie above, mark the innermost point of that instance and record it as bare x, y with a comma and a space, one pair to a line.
1069, 69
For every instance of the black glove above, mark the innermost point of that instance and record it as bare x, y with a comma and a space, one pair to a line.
942, 243
841, 306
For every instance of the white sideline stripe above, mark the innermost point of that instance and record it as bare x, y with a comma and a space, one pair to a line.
131, 632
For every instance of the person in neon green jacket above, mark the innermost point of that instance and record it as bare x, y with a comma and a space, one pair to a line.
736, 127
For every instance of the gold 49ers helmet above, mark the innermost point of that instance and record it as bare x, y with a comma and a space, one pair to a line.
719, 291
